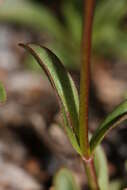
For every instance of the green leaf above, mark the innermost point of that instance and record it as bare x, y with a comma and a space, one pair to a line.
64, 87
30, 14
2, 93
112, 120
101, 168
73, 21
64, 180
111, 35
116, 184
39, 18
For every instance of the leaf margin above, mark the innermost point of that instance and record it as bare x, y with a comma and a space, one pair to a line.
72, 134
117, 116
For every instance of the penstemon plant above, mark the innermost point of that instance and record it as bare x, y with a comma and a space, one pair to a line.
75, 108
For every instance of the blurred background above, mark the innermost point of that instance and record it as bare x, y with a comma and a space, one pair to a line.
30, 139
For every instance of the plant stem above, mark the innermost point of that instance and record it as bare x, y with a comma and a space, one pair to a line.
85, 76
84, 94
91, 174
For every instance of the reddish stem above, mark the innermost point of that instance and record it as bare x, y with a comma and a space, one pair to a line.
84, 93
85, 76
91, 174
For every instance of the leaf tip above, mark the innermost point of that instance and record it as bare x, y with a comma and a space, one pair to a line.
22, 45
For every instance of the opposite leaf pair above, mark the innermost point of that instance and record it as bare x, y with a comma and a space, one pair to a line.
69, 101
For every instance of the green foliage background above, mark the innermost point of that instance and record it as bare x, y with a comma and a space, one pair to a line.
109, 35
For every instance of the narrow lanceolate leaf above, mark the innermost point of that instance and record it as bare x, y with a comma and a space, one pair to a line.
64, 180
112, 120
2, 93
101, 168
64, 87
